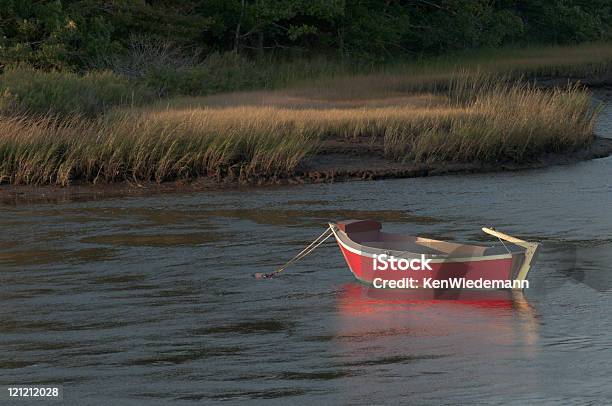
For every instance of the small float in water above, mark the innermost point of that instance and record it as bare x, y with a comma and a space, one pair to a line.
388, 260
399, 261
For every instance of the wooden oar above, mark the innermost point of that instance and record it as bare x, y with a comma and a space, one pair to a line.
530, 250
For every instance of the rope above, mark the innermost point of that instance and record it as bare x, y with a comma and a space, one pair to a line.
502, 241
305, 254
302, 254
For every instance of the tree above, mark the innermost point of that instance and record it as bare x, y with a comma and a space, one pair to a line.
77, 34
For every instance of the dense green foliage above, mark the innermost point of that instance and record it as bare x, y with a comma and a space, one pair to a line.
81, 34
25, 90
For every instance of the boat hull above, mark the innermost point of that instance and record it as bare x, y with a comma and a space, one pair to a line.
362, 267
497, 271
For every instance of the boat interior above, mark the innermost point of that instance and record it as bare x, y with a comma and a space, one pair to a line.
370, 235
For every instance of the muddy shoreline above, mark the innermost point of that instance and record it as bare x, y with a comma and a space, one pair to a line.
336, 161
333, 164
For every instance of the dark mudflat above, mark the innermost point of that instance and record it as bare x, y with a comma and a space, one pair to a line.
336, 162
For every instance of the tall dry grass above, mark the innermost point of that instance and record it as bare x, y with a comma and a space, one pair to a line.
145, 146
56, 128
492, 121
508, 123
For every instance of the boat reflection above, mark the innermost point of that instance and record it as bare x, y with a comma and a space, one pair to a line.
355, 295
499, 317
444, 343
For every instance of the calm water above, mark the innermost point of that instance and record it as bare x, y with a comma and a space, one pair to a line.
137, 300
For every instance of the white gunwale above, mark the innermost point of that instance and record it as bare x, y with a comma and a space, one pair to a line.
369, 252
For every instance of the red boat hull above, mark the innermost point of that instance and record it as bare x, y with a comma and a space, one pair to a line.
449, 265
494, 269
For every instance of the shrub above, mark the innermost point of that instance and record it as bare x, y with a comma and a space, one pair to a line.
24, 90
217, 73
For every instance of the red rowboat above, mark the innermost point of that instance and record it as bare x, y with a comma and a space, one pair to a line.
387, 260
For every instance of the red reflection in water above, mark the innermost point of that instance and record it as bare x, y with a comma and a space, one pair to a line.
449, 341
500, 317
356, 297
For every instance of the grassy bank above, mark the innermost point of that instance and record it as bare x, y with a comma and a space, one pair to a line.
24, 90
59, 128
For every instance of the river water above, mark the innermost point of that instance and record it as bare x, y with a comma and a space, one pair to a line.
152, 299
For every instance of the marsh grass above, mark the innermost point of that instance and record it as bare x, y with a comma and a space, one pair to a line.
586, 61
496, 122
154, 146
474, 109
507, 123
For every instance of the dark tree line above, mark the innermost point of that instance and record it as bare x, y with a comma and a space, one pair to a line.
80, 33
